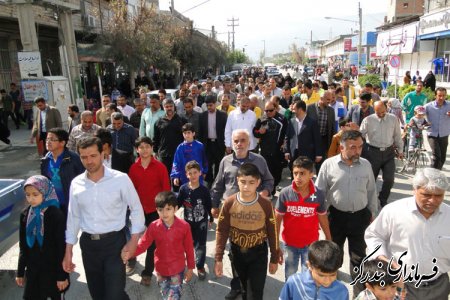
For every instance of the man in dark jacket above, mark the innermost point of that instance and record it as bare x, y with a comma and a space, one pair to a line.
271, 129
212, 135
302, 136
168, 134
430, 81
60, 165
325, 117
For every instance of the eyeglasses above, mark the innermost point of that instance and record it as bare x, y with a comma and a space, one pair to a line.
269, 110
52, 140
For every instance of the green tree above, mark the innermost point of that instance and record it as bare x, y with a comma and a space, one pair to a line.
141, 39
237, 57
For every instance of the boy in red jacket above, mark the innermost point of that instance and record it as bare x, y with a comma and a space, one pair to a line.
149, 177
174, 249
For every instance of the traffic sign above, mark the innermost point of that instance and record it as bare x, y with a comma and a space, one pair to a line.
394, 61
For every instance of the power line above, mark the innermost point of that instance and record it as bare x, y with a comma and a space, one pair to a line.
195, 6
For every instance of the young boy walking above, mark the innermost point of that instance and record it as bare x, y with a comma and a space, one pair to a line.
249, 221
190, 149
319, 281
379, 283
301, 208
196, 201
174, 249
149, 177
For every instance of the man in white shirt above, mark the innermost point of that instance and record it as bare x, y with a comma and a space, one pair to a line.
99, 198
275, 91
124, 107
240, 118
415, 232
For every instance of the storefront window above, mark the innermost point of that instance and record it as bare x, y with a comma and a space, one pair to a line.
443, 51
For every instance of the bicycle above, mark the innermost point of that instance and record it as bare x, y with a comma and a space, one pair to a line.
418, 158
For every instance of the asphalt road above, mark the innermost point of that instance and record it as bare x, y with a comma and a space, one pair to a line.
21, 161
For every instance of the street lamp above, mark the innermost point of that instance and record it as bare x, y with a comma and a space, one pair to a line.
359, 22
264, 51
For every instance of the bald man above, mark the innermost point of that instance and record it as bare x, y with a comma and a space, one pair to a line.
383, 135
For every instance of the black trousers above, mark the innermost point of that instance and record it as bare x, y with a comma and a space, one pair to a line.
105, 271
251, 266
18, 113
214, 154
28, 116
5, 115
325, 146
150, 256
167, 161
350, 226
43, 137
385, 161
275, 167
439, 151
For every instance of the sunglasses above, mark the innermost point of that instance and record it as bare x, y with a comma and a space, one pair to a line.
269, 110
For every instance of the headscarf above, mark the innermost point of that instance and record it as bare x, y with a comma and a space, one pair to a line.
395, 103
35, 220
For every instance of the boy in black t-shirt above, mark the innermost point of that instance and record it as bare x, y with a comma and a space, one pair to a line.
196, 200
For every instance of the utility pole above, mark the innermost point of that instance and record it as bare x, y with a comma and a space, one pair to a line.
228, 41
232, 25
360, 36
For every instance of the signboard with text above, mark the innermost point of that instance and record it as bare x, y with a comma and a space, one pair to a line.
401, 39
30, 65
34, 88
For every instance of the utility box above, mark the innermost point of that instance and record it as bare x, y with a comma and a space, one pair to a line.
54, 89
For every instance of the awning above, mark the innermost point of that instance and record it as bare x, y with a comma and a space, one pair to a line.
92, 53
434, 35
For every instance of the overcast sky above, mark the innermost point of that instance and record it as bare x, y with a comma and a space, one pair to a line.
280, 23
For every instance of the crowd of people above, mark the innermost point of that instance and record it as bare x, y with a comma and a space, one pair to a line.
119, 174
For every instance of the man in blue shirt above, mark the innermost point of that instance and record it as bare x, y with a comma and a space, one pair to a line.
60, 165
123, 137
438, 114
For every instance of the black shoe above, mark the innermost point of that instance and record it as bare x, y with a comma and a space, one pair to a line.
233, 294
129, 268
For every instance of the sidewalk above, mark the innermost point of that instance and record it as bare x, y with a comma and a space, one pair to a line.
19, 137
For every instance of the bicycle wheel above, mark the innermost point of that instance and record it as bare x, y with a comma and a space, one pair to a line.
423, 160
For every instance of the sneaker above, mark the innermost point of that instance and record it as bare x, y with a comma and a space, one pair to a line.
232, 294
201, 274
146, 280
129, 268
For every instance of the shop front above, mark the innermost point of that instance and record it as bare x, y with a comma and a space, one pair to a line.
434, 26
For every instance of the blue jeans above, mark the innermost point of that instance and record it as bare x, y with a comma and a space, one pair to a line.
199, 234
292, 255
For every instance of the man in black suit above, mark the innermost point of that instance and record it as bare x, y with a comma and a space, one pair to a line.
212, 135
325, 117
302, 136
